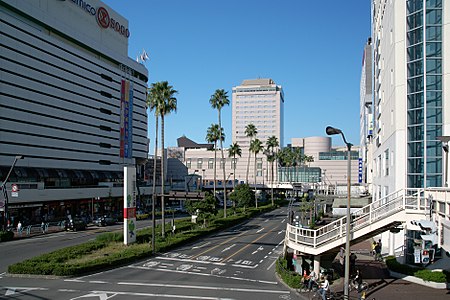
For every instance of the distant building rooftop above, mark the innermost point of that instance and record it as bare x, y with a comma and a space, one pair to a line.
186, 143
260, 81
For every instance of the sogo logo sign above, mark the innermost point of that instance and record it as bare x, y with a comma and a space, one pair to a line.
103, 18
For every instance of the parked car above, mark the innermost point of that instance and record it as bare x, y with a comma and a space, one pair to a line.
105, 220
75, 224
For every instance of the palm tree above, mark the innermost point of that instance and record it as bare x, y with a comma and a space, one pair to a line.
250, 132
218, 100
272, 143
213, 135
256, 146
162, 95
298, 158
234, 150
153, 101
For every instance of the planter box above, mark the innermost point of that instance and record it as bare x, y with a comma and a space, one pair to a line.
417, 280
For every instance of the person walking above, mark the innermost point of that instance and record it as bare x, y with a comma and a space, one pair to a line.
353, 258
378, 256
19, 228
324, 287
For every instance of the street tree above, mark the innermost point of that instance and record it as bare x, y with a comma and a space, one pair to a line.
161, 99
218, 100
243, 195
256, 146
213, 135
272, 144
250, 132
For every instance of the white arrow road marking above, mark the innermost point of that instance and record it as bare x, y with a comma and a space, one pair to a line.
13, 290
280, 232
201, 246
228, 248
100, 295
259, 249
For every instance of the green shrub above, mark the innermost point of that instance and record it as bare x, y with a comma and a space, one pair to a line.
292, 279
6, 236
429, 275
419, 272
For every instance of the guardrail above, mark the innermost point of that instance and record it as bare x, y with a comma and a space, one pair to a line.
41, 228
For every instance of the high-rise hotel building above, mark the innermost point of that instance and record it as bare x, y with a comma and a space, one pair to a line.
72, 103
411, 107
259, 102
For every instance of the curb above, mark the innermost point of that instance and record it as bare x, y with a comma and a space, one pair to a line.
416, 280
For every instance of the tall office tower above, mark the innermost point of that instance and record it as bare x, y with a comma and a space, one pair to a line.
259, 102
72, 103
366, 118
411, 81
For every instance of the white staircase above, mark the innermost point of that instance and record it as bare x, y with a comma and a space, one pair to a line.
388, 212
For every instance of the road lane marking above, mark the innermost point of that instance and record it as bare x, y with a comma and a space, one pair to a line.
228, 248
245, 247
259, 230
190, 260
201, 246
209, 275
214, 288
218, 245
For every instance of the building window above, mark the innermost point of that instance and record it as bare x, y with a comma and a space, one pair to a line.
222, 163
199, 163
386, 162
259, 164
188, 163
211, 163
233, 163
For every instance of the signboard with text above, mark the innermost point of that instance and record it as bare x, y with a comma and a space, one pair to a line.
129, 205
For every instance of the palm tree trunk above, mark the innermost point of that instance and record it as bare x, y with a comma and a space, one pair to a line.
154, 186
248, 164
224, 173
256, 198
215, 169
163, 178
271, 186
234, 177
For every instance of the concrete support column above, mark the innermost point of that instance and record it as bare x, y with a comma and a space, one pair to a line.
391, 243
316, 264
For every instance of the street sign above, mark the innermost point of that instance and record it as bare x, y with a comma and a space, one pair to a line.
14, 190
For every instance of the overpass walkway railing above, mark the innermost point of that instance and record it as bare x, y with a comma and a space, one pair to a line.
391, 209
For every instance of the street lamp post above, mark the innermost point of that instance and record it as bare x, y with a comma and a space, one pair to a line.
445, 140
5, 193
332, 131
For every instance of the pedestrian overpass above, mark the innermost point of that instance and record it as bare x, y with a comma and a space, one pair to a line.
384, 214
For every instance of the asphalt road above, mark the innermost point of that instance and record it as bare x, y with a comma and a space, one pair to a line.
238, 263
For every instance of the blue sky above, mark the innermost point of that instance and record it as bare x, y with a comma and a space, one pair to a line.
313, 49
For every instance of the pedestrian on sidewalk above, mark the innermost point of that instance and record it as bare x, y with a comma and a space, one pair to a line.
378, 256
19, 228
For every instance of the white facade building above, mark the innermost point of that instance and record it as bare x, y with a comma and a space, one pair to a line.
411, 61
72, 102
259, 102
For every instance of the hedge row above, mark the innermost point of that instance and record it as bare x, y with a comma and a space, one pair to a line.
75, 260
422, 273
292, 279
6, 236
